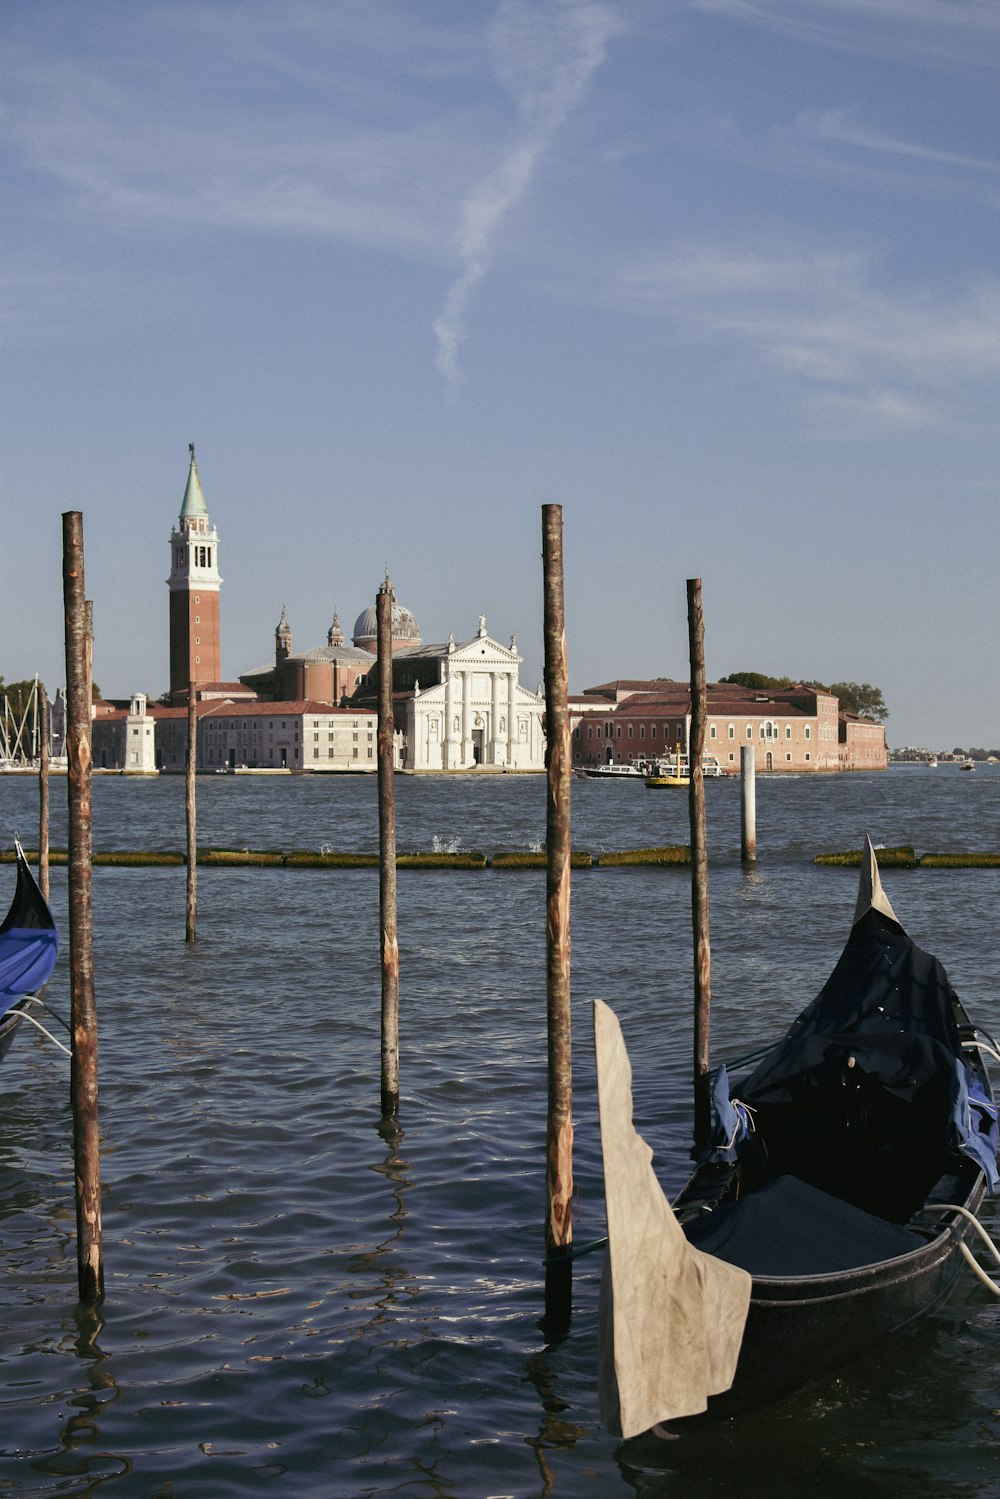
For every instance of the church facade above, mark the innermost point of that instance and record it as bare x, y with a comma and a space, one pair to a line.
475, 713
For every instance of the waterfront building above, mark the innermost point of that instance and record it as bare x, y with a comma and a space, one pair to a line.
194, 583
124, 738
792, 729
233, 737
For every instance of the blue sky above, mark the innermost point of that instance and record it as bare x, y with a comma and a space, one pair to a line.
720, 277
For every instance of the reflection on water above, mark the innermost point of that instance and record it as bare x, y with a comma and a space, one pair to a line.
297, 1305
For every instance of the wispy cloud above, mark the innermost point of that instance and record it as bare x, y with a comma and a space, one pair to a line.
843, 127
825, 320
928, 32
546, 55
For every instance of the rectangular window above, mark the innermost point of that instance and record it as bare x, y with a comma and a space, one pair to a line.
711, 731
749, 731
788, 731
732, 734
808, 735
808, 755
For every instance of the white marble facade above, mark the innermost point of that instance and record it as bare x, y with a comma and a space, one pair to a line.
477, 713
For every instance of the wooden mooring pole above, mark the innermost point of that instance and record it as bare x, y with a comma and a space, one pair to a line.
83, 1010
388, 943
748, 805
43, 791
559, 1124
699, 866
190, 808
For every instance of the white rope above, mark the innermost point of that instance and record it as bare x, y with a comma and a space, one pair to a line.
953, 1207
982, 1046
39, 1026
978, 1270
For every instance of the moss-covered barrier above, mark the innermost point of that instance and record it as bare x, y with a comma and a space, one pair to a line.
536, 859
334, 859
461, 859
672, 854
254, 858
131, 858
960, 861
886, 858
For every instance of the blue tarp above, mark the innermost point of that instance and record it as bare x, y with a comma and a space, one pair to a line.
974, 1123
27, 958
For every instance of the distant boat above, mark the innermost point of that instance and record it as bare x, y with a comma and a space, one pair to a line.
932, 762
611, 772
967, 765
29, 945
670, 773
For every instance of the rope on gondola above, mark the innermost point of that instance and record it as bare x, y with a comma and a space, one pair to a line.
952, 1207
26, 1015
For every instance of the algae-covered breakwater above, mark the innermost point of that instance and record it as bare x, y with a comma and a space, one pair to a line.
669, 856
905, 857
250, 858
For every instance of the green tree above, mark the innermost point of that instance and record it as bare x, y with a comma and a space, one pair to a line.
861, 698
756, 680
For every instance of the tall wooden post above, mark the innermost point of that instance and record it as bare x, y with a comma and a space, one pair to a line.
83, 1009
388, 944
43, 791
559, 1126
699, 866
748, 805
191, 813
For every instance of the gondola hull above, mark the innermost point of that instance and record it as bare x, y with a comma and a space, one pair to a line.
9, 1026
831, 1185
801, 1327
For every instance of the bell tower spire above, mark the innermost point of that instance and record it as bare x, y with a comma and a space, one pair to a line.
194, 582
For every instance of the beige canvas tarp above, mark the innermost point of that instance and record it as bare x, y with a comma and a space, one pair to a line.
672, 1317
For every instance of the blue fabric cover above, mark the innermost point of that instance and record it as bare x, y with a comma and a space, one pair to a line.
27, 959
974, 1123
729, 1123
790, 1228
29, 942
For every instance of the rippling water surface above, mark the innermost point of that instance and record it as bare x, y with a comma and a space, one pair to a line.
300, 1302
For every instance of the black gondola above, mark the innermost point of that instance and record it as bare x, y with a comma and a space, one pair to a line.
840, 1167
29, 945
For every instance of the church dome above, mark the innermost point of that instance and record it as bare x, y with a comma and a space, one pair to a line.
405, 630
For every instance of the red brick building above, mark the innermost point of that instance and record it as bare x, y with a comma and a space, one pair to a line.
792, 729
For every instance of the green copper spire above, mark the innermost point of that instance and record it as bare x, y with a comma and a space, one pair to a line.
194, 500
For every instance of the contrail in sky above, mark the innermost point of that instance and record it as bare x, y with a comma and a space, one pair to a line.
545, 55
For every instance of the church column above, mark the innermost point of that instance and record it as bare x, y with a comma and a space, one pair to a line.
450, 755
467, 718
501, 721
511, 717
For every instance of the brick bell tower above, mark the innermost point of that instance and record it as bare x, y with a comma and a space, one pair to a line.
194, 594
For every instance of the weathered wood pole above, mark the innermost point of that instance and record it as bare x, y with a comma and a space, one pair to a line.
191, 812
83, 1009
388, 943
559, 1125
43, 791
699, 866
748, 805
